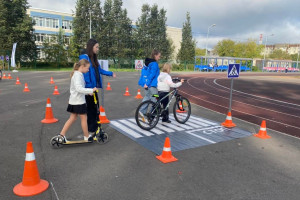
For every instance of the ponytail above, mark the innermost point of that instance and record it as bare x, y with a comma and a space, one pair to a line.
78, 64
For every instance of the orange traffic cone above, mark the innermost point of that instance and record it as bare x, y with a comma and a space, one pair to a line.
126, 92
263, 131
139, 96
49, 118
228, 122
56, 92
166, 155
31, 183
4, 76
108, 86
180, 110
26, 89
9, 76
18, 81
102, 116
51, 80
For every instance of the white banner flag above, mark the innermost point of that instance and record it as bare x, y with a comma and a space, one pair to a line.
13, 62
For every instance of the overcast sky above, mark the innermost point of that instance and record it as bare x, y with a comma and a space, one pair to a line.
234, 19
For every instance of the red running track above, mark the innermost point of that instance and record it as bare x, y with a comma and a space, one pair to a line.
254, 100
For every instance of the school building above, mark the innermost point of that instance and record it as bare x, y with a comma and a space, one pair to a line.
48, 22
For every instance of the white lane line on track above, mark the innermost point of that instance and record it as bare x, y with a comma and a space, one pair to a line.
256, 95
54, 190
245, 96
239, 111
247, 122
240, 101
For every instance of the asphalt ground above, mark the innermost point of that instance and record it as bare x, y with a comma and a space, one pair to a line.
273, 97
247, 168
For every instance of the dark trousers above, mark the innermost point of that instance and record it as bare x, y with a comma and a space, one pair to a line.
164, 102
92, 113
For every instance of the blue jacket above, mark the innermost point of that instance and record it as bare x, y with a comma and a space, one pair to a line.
153, 73
143, 78
90, 76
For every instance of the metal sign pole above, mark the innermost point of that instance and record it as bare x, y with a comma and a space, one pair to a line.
230, 99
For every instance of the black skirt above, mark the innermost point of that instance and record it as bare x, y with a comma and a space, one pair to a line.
77, 109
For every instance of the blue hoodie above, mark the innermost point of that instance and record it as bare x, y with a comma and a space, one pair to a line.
153, 73
90, 76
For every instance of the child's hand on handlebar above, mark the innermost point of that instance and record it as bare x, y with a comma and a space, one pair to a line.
182, 80
95, 89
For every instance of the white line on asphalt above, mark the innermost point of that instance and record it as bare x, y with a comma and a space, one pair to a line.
169, 130
154, 130
203, 138
203, 120
135, 127
127, 130
54, 191
177, 128
180, 125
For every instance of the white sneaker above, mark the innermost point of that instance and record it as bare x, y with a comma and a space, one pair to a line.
87, 138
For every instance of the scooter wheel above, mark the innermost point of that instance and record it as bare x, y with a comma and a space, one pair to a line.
56, 142
102, 138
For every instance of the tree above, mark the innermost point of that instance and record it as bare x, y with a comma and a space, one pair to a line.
225, 48
188, 44
55, 49
151, 32
17, 26
81, 22
200, 52
230, 48
279, 55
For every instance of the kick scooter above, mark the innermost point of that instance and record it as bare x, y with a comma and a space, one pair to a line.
100, 136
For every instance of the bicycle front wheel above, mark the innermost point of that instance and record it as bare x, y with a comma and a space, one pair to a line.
147, 115
182, 110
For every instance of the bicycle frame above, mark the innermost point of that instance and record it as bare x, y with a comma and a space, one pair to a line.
173, 93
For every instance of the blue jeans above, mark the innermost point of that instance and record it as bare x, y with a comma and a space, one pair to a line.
148, 96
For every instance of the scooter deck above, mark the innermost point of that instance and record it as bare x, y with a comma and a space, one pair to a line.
77, 142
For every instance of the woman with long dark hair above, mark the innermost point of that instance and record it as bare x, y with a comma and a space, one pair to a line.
93, 79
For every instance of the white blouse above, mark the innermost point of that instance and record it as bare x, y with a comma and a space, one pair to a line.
78, 90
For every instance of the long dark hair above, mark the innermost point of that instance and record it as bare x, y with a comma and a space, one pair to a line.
154, 53
89, 48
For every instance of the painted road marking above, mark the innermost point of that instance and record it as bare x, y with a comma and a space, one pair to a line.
127, 130
135, 127
194, 133
154, 130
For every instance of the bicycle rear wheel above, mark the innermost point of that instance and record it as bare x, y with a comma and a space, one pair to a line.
182, 110
147, 115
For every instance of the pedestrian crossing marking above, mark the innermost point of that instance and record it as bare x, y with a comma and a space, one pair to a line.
233, 71
196, 132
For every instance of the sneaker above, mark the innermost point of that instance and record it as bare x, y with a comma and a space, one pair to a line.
87, 138
166, 121
64, 138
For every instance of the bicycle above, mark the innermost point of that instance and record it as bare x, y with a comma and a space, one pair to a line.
154, 110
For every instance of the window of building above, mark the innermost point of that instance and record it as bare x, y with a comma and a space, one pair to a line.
66, 24
46, 22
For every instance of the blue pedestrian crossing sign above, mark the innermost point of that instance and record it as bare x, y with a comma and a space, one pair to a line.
233, 70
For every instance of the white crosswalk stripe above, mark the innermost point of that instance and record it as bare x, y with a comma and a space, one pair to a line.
131, 128
154, 130
127, 130
135, 127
